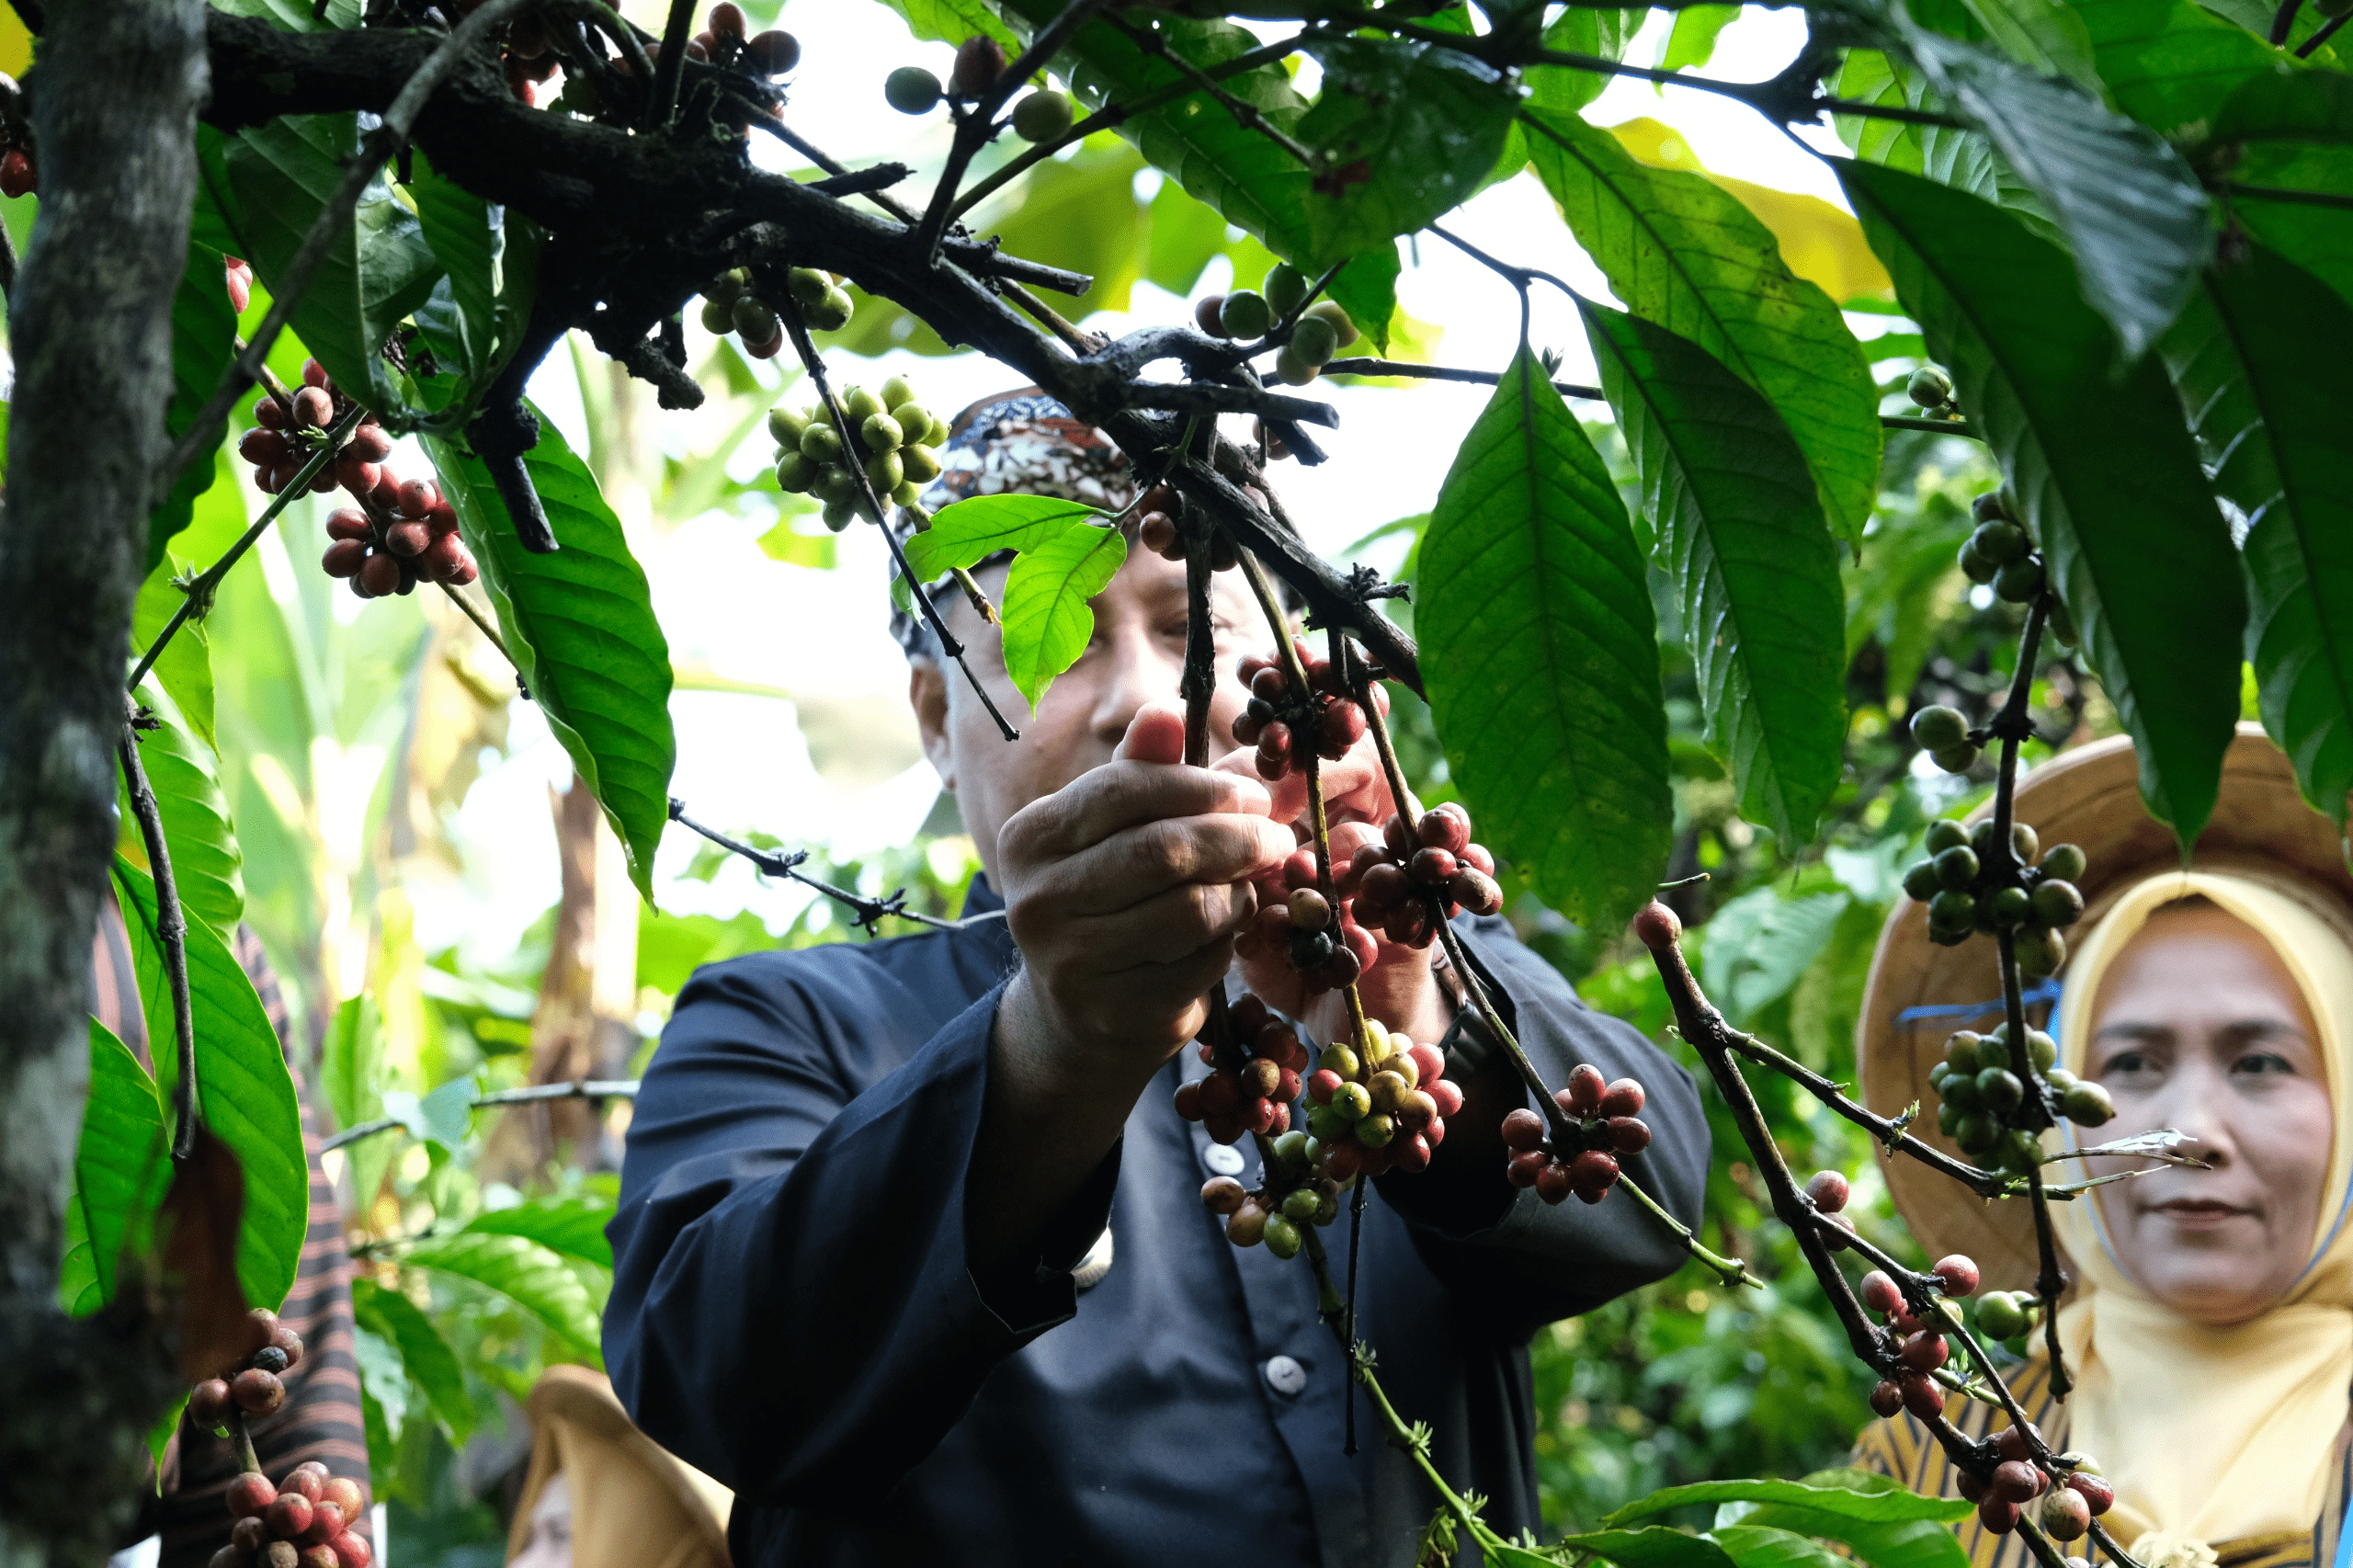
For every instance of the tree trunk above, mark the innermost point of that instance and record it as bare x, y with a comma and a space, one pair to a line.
114, 98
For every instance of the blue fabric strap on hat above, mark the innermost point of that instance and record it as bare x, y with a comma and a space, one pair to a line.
2034, 995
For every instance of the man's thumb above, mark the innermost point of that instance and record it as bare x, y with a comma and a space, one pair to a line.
1155, 735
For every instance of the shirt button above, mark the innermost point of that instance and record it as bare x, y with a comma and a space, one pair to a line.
1285, 1376
1223, 1159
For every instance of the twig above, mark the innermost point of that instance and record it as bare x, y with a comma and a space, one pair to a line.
2341, 200
376, 147
197, 599
777, 863
171, 934
578, 1088
854, 450
661, 105
1985, 1183
1364, 365
2283, 21
2322, 34
482, 623
1245, 115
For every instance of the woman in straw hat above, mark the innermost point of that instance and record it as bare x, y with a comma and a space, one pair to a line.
600, 1494
2209, 1323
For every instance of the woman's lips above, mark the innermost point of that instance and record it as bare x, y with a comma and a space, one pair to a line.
2200, 1213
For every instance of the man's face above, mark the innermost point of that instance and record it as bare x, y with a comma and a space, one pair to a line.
1137, 655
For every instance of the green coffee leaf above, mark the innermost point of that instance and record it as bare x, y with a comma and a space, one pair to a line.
1692, 40
470, 242
2290, 134
2097, 460
1540, 653
525, 1273
1740, 530
2258, 358
351, 1065
204, 331
967, 532
1913, 1543
122, 1165
953, 22
2132, 209
1761, 943
573, 1225
244, 1090
1582, 30
1048, 622
1367, 288
207, 866
1892, 1505
580, 624
2168, 63
424, 1355
378, 269
1756, 1546
1654, 1548
1407, 130
185, 668
1685, 253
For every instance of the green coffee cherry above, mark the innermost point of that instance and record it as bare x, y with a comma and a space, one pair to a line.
1956, 867
1990, 507
1944, 833
910, 496
728, 286
795, 472
1282, 1237
1339, 1060
1948, 1116
834, 483
881, 434
1953, 910
808, 286
1960, 1090
1313, 340
861, 405
1354, 1102
833, 312
840, 514
1292, 370
1998, 1316
785, 426
1041, 116
1973, 565
1325, 1124
2041, 953
911, 89
1332, 312
1929, 387
885, 471
1999, 1091
718, 315
2007, 907
2065, 862
920, 463
2086, 1104
2040, 1049
1375, 1132
821, 443
1955, 759
1291, 1148
2001, 542
1921, 882
1246, 314
2058, 902
1936, 727
1961, 1050
914, 419
2020, 1152
2020, 580
1300, 1205
754, 323
2023, 840
1285, 287
2060, 624
1977, 1132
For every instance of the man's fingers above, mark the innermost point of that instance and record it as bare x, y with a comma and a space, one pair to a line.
1155, 735
1142, 863
1165, 929
1120, 795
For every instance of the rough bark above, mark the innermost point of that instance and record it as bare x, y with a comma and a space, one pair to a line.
115, 101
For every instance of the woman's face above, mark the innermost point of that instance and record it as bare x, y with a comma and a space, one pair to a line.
2199, 1027
550, 1542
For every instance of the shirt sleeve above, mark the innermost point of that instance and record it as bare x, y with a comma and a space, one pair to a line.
1507, 1254
793, 1308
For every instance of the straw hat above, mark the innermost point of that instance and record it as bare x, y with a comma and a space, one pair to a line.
1918, 993
633, 1503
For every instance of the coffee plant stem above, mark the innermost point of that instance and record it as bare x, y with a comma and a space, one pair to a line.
2283, 19
578, 1088
1245, 115
1891, 1136
870, 912
1365, 365
482, 623
376, 147
246, 1459
1934, 427
2339, 200
797, 326
171, 934
661, 105
977, 125
2321, 35
1112, 115
197, 601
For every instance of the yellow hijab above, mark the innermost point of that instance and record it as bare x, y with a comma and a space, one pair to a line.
2213, 1435
634, 1504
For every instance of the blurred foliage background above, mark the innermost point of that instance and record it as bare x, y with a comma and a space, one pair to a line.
377, 760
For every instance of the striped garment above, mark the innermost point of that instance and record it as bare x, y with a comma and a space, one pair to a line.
321, 1417
1901, 1448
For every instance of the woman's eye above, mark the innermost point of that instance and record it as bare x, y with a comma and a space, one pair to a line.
2261, 1063
2126, 1064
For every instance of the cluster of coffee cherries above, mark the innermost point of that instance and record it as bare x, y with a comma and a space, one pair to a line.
1317, 333
18, 172
1979, 1094
1395, 882
304, 1521
1603, 1120
2000, 553
1379, 1104
897, 434
1257, 1097
1931, 390
1322, 941
1295, 1195
2065, 1511
255, 1386
1042, 115
724, 42
1922, 1348
1279, 713
1157, 531
1966, 893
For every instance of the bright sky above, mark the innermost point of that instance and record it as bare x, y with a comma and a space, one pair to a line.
742, 761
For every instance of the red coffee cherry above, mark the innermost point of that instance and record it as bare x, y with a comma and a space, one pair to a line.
1657, 927
352, 1551
2096, 1493
1552, 1183
1523, 1130
1886, 1398
2011, 1444
344, 1492
309, 1483
208, 1404
979, 60
1584, 1090
2064, 1514
1592, 1174
2016, 1480
249, 1493
257, 1392
18, 175
1831, 1234
1828, 1191
1881, 1294
1924, 1352
381, 576
1623, 1098
326, 1522
1628, 1136
1998, 1514
289, 1517
1959, 1274
773, 52
314, 408
1923, 1396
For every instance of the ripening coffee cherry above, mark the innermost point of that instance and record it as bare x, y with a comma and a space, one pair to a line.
2092, 1487
1955, 759
2058, 902
249, 1494
1937, 727
288, 1515
1887, 1399
1657, 927
911, 89
1041, 116
310, 1484
1959, 1274
257, 1392
1245, 314
351, 1549
1209, 315
773, 52
1828, 1191
1223, 1195
1315, 341
314, 408
327, 1521
2064, 1514
208, 1403
1332, 312
979, 60
1929, 387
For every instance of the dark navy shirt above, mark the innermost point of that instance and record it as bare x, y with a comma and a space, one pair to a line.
793, 1311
